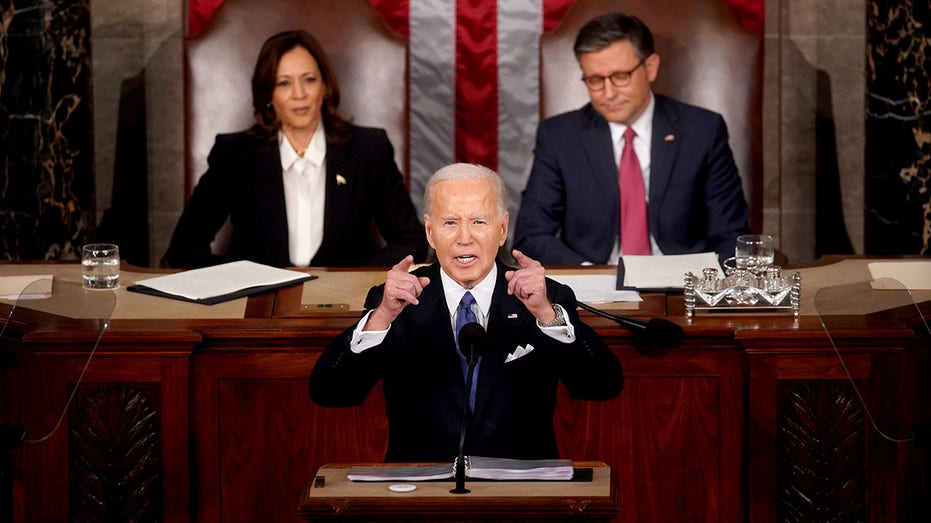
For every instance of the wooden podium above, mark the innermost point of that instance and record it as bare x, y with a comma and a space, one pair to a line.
707, 432
330, 496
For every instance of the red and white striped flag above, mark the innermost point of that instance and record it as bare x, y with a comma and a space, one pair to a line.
473, 77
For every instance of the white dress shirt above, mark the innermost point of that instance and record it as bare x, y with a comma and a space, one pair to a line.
482, 292
304, 195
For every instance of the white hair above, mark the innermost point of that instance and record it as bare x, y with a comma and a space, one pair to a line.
469, 172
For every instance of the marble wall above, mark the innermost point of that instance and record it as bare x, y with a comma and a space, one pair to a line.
898, 128
46, 160
814, 125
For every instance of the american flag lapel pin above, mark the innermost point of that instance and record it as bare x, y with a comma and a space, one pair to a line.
669, 137
340, 180
512, 316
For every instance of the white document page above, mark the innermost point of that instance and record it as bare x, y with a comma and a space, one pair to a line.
914, 275
668, 271
26, 287
219, 280
596, 288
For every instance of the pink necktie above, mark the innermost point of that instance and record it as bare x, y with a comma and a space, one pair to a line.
635, 233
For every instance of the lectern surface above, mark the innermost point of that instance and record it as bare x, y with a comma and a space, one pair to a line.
331, 495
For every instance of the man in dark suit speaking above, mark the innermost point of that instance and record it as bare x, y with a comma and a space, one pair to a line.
631, 172
407, 338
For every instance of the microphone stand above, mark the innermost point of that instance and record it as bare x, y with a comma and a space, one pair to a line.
466, 417
657, 333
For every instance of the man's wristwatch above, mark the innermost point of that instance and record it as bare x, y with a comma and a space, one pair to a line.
558, 321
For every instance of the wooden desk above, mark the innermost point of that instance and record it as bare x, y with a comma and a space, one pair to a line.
336, 498
218, 401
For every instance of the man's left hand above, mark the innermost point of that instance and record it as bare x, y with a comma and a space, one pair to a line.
528, 284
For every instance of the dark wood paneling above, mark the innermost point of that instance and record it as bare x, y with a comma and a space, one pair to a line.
114, 454
83, 457
664, 437
695, 436
272, 438
821, 453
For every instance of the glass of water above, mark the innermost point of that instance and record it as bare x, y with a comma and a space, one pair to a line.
100, 266
754, 252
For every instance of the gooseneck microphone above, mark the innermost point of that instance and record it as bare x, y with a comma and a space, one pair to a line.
472, 342
472, 346
657, 332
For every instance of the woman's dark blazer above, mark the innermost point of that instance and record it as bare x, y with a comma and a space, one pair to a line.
365, 193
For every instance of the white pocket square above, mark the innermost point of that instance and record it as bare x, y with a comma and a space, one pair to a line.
518, 353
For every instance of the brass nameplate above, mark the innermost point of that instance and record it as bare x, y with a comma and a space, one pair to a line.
324, 307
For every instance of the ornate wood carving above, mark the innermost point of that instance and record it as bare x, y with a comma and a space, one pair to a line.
822, 454
115, 455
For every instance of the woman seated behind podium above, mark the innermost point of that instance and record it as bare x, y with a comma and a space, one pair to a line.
302, 186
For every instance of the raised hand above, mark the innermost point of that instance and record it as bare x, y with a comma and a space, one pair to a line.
401, 289
528, 284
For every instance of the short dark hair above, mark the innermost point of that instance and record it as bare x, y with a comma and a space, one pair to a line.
602, 31
264, 79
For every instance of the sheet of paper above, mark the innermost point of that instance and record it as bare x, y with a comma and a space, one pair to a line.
30, 287
596, 288
401, 473
668, 271
913, 274
221, 279
480, 467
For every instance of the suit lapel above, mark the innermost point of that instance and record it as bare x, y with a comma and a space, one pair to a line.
269, 192
596, 137
664, 147
431, 318
338, 191
505, 319
599, 149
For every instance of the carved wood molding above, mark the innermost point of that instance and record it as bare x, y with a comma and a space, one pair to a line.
115, 454
821, 454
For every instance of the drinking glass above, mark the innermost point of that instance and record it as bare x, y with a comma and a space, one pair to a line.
100, 266
754, 252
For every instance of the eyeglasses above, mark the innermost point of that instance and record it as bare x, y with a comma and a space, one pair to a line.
618, 79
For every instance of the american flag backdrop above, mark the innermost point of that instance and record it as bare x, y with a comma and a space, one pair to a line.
473, 67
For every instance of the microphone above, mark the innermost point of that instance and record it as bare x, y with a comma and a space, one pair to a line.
472, 346
657, 332
472, 342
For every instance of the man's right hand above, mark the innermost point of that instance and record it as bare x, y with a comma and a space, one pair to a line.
401, 289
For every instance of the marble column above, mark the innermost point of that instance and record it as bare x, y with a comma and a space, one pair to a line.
898, 127
46, 134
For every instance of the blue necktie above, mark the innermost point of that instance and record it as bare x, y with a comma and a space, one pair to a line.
465, 315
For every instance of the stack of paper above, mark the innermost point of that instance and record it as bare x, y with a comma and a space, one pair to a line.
518, 469
912, 274
401, 473
596, 288
477, 467
30, 287
219, 283
664, 272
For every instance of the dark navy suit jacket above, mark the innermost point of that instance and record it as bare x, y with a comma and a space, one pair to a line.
425, 388
244, 183
569, 209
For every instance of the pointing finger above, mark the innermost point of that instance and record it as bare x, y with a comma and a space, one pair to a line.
405, 264
523, 260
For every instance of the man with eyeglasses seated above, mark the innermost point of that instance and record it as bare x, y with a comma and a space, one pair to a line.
590, 197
